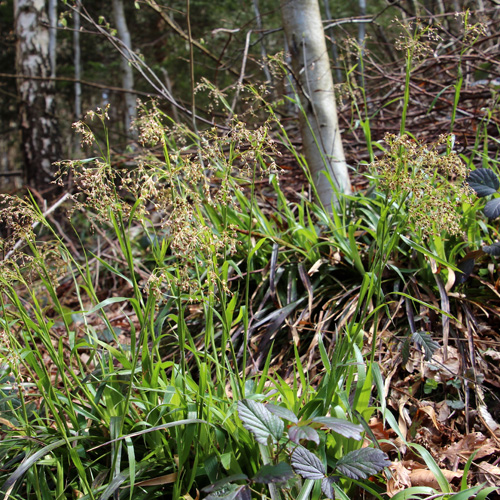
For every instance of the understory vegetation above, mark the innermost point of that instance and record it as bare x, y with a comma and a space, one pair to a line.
185, 328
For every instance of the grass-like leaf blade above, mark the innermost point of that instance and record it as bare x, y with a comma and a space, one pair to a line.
362, 463
483, 181
307, 465
260, 421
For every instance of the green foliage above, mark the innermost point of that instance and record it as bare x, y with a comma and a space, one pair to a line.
266, 425
151, 381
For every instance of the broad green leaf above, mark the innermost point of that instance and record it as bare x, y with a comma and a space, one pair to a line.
483, 181
362, 463
282, 412
424, 339
307, 465
279, 473
342, 427
260, 421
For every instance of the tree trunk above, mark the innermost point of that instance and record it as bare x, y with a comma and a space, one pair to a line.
318, 122
52, 13
40, 135
335, 53
127, 74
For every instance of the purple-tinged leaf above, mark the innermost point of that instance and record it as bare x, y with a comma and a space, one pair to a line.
483, 181
279, 473
466, 266
424, 339
306, 464
260, 421
282, 412
327, 487
492, 249
362, 463
298, 432
342, 427
492, 208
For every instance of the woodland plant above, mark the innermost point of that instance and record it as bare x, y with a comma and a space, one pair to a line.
106, 412
171, 401
285, 455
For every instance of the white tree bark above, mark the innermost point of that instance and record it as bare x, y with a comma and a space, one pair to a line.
77, 61
335, 53
52, 13
41, 141
319, 122
127, 74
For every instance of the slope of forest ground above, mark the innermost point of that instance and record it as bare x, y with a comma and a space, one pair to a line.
176, 292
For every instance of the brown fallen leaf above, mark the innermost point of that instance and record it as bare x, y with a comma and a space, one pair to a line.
157, 481
468, 445
400, 479
424, 477
489, 474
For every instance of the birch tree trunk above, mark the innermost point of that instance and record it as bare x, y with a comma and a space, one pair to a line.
40, 135
127, 74
52, 13
77, 63
318, 122
331, 33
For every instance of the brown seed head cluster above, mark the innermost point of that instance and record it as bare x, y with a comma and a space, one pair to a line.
429, 181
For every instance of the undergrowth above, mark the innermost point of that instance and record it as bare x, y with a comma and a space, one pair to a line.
224, 319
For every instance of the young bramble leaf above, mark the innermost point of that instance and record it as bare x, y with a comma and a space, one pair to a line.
282, 412
307, 464
467, 266
342, 427
492, 208
362, 463
424, 339
298, 432
260, 421
327, 487
278, 473
492, 249
231, 492
221, 483
483, 181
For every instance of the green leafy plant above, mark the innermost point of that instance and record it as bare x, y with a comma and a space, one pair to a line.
484, 182
286, 456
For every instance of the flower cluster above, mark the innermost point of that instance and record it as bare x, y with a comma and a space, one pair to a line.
429, 181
